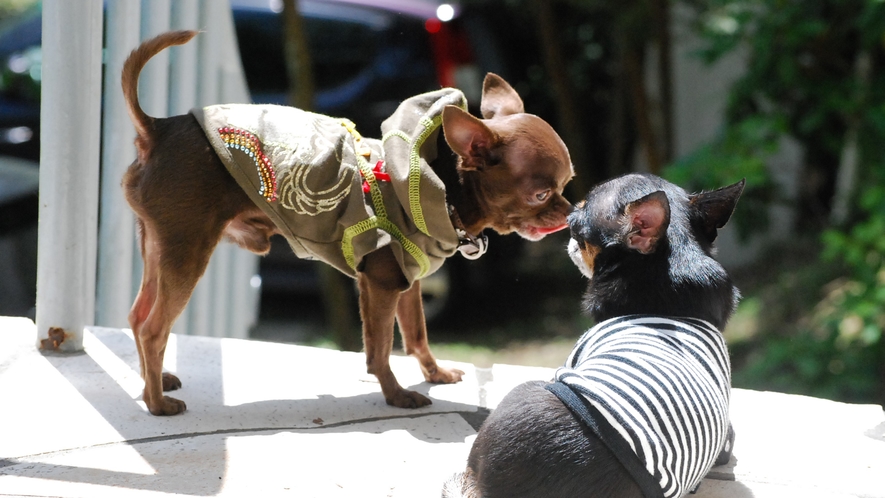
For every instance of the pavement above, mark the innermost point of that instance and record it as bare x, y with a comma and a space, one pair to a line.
267, 419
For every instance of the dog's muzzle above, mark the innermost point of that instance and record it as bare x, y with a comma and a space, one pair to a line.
574, 252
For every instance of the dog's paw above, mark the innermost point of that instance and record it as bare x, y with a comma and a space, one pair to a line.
170, 382
168, 406
408, 399
442, 375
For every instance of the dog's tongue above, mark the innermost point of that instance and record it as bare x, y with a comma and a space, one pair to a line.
547, 231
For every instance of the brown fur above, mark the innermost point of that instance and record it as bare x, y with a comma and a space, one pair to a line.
511, 171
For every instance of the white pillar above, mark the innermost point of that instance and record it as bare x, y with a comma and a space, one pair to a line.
116, 241
154, 87
69, 168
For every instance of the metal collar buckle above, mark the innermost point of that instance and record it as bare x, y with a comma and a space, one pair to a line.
472, 247
469, 246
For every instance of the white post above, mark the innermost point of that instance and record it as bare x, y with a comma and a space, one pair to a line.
183, 69
116, 241
154, 88
69, 167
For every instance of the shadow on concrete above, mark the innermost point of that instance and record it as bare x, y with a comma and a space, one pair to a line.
713, 488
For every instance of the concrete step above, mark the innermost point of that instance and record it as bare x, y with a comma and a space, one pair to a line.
267, 419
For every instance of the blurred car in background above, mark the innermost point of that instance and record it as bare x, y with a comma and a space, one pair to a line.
19, 153
368, 56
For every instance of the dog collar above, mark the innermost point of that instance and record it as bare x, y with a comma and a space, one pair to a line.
469, 246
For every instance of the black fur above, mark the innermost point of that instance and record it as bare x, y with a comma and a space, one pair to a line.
512, 458
532, 445
680, 278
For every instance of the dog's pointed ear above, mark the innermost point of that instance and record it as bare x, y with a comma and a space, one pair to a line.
499, 98
645, 222
469, 137
712, 210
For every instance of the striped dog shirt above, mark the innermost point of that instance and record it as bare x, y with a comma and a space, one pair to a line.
656, 392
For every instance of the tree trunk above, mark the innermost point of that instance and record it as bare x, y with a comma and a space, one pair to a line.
569, 122
641, 111
665, 78
622, 134
849, 161
298, 63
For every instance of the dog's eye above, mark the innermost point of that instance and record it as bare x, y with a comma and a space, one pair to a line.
542, 196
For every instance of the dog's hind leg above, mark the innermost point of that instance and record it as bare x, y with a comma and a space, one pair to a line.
413, 327
144, 302
171, 272
727, 447
147, 294
532, 445
184, 199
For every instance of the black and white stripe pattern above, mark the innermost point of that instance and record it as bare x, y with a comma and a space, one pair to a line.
663, 385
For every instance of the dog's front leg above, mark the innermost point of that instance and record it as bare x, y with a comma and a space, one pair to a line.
380, 283
413, 327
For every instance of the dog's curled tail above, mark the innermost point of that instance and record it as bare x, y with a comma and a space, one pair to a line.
461, 485
132, 68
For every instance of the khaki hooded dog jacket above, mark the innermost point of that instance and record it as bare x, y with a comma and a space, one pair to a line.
335, 195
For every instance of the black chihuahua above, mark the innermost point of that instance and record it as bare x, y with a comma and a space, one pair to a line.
640, 408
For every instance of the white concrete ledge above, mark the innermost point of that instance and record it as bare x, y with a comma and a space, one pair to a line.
268, 419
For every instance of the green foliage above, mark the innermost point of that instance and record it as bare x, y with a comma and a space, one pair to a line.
815, 72
791, 332
20, 72
859, 316
853, 316
801, 60
805, 364
739, 152
10, 8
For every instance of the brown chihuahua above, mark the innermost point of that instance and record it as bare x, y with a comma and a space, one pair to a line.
387, 212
